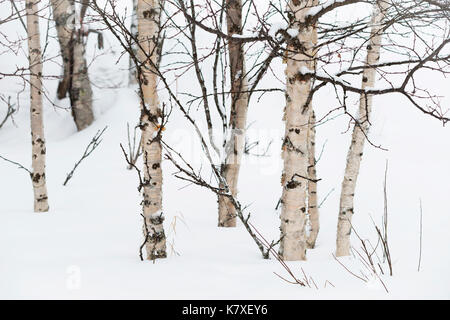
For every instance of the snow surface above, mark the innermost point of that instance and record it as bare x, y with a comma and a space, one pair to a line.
87, 245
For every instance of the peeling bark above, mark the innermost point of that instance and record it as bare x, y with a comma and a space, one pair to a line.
36, 111
148, 15
295, 151
75, 80
360, 130
238, 118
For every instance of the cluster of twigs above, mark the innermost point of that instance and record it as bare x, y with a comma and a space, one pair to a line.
367, 253
306, 281
383, 235
249, 146
270, 249
367, 257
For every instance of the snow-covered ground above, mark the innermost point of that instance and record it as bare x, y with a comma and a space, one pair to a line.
87, 245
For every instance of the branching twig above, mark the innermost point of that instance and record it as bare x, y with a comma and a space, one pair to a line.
9, 112
134, 152
89, 149
348, 270
249, 146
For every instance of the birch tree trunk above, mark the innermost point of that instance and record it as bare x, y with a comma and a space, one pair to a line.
64, 16
238, 118
148, 12
81, 90
75, 72
132, 76
360, 130
313, 210
295, 145
36, 111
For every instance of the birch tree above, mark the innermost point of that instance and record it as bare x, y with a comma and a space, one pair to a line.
236, 111
313, 210
360, 131
148, 13
75, 80
336, 59
36, 111
295, 153
238, 115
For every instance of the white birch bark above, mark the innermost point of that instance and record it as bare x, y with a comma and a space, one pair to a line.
75, 76
36, 111
313, 210
360, 130
295, 147
132, 76
238, 116
148, 12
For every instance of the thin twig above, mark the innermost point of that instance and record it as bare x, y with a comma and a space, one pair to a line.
9, 112
17, 164
20, 17
348, 270
95, 141
421, 231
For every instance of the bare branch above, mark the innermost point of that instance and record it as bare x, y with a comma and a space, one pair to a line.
93, 144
